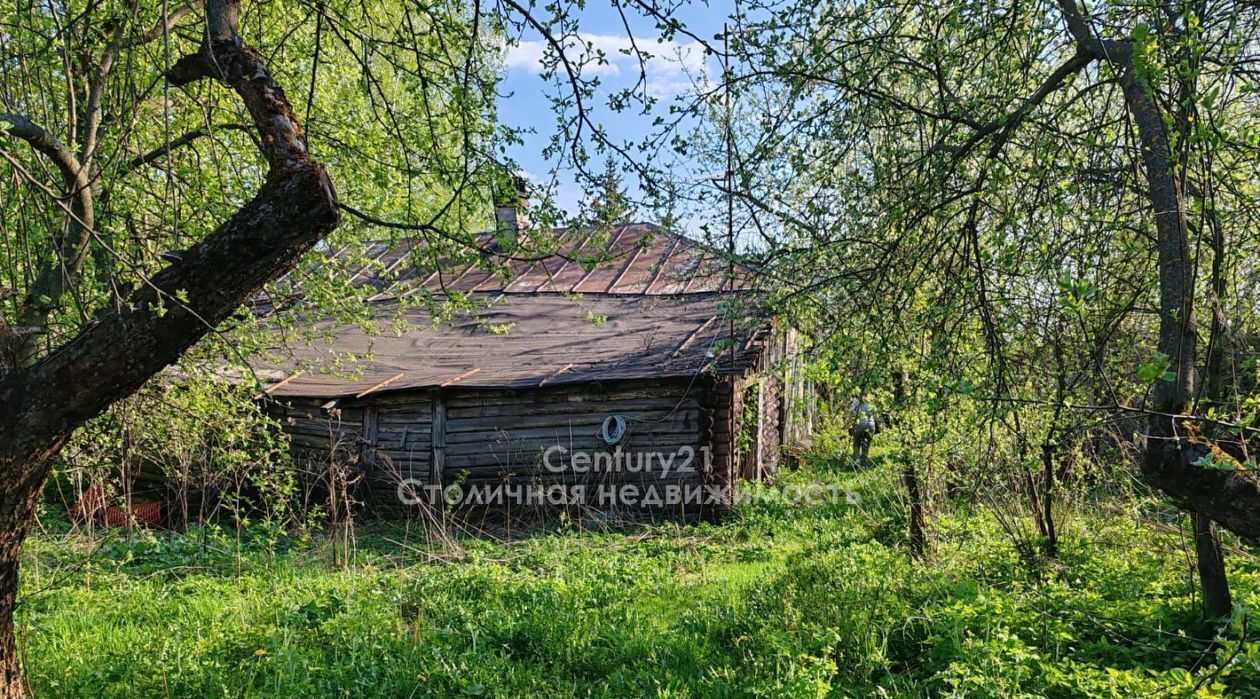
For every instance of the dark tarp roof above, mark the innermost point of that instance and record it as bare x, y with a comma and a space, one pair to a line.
638, 258
550, 339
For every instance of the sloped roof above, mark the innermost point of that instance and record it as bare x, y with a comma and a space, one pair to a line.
638, 259
658, 305
521, 340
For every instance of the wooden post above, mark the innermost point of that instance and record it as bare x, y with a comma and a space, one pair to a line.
782, 419
759, 473
368, 448
438, 441
918, 526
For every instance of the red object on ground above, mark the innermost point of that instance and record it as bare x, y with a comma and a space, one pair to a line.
149, 513
92, 505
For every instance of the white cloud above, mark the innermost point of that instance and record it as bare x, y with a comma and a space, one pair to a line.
670, 70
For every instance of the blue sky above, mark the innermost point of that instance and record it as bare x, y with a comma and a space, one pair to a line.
670, 75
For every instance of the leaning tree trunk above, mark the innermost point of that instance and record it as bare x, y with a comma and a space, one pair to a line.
115, 354
1174, 444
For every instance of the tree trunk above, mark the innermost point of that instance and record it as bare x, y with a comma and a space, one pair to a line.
14, 524
1211, 564
918, 526
1207, 541
1047, 495
910, 476
10, 667
115, 354
19, 494
1174, 444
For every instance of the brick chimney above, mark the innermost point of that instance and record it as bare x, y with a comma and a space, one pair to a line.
511, 211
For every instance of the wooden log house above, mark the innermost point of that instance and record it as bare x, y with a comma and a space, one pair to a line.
661, 353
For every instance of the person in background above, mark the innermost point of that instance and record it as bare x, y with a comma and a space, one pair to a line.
863, 429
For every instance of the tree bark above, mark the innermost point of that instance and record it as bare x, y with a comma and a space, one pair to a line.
1174, 444
918, 524
1051, 534
1211, 565
115, 354
1210, 555
10, 668
17, 507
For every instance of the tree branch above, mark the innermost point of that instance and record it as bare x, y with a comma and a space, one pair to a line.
1087, 40
175, 144
164, 25
116, 354
70, 247
46, 144
1006, 125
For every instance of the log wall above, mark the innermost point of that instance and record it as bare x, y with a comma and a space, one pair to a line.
475, 437
495, 436
320, 436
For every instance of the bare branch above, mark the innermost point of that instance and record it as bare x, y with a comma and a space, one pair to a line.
164, 25
175, 144
55, 277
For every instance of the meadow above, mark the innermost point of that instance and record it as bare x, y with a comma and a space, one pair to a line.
773, 600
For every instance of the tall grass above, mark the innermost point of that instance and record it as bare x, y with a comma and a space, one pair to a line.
774, 601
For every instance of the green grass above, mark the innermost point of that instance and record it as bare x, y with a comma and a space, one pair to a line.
774, 601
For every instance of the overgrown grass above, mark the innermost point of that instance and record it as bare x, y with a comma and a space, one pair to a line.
774, 601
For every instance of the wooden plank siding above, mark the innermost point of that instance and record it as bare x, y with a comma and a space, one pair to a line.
502, 436
477, 437
319, 435
404, 443
486, 437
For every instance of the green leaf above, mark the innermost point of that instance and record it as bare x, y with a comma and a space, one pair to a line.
1211, 463
1156, 368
